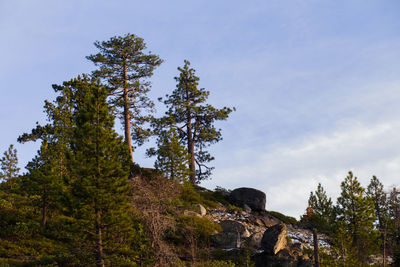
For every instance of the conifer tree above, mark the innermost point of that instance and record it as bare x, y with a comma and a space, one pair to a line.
56, 134
99, 167
356, 211
43, 180
322, 207
172, 157
379, 198
394, 224
9, 164
48, 174
194, 120
126, 68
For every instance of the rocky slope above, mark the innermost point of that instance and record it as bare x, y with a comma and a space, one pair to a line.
272, 242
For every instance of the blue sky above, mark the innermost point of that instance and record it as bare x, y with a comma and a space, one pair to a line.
316, 83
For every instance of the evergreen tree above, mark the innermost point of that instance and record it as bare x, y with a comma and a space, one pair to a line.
194, 120
394, 225
356, 211
379, 197
172, 157
9, 164
56, 134
99, 167
126, 68
43, 180
322, 208
48, 173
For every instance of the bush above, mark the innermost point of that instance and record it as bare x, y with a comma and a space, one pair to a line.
237, 257
200, 228
284, 218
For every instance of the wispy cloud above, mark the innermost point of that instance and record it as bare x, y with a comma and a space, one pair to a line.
288, 172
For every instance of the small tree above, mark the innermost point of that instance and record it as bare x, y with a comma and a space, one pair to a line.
9, 165
379, 198
172, 157
323, 211
356, 211
126, 68
43, 180
194, 120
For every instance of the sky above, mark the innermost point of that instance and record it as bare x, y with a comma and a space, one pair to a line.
316, 84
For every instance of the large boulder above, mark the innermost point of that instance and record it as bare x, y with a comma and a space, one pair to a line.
255, 240
232, 227
253, 198
226, 240
274, 239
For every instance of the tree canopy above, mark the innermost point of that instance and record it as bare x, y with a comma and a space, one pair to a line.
126, 68
194, 120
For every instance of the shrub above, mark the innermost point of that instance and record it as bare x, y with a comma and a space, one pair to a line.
283, 218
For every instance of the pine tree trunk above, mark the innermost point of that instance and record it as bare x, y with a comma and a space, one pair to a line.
192, 166
192, 163
99, 240
127, 119
44, 212
316, 253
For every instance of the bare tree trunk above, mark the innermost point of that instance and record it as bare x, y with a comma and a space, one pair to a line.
99, 240
316, 253
44, 212
127, 119
189, 132
192, 166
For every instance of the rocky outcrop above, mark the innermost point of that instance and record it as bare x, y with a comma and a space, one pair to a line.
232, 226
253, 198
226, 240
255, 240
274, 239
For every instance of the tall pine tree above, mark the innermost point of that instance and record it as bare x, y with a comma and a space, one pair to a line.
194, 119
126, 68
99, 167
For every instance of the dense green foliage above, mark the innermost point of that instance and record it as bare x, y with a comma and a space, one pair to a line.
172, 157
283, 218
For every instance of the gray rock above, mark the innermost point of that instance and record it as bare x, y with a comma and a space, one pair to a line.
202, 211
255, 240
231, 226
253, 198
274, 239
226, 240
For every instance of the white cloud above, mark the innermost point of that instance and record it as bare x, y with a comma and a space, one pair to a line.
288, 172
